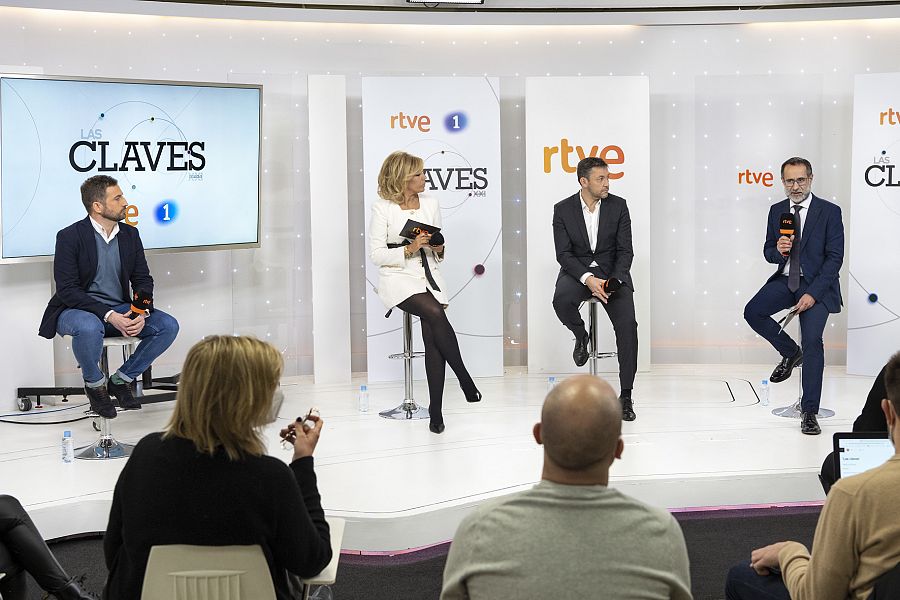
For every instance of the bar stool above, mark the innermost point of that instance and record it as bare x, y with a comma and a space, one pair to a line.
594, 356
107, 446
408, 409
793, 411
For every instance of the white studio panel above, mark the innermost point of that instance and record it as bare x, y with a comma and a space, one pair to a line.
746, 126
873, 327
330, 257
603, 116
453, 124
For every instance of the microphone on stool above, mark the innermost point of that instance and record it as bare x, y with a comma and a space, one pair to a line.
787, 227
141, 302
437, 239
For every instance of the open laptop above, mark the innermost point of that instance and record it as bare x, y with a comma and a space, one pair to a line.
860, 451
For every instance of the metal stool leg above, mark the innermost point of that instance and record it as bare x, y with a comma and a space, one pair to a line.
408, 409
594, 356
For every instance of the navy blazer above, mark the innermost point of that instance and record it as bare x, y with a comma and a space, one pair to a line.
821, 249
613, 252
75, 266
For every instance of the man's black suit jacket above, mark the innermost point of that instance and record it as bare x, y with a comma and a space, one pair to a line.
613, 252
75, 266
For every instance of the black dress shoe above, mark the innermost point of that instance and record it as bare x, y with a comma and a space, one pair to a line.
436, 427
628, 409
784, 368
809, 425
100, 401
580, 354
473, 396
122, 393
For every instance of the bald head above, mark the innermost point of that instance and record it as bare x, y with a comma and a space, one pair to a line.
581, 423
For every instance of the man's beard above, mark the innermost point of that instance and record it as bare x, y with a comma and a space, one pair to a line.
108, 214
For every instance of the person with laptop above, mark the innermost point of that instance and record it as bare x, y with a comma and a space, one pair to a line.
857, 538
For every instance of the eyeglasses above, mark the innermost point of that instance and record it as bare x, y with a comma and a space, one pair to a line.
800, 181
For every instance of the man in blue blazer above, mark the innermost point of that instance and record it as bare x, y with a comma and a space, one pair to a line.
95, 261
809, 264
592, 235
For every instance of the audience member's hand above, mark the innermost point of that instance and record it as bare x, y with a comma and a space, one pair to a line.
805, 302
595, 284
763, 559
305, 438
128, 327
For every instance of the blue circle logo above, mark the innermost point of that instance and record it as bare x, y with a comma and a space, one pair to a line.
166, 212
456, 121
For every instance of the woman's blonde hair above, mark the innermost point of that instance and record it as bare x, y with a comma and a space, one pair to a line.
225, 395
396, 171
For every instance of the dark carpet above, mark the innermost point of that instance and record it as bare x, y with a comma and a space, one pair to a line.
716, 540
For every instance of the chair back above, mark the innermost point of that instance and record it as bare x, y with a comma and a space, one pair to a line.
887, 586
184, 572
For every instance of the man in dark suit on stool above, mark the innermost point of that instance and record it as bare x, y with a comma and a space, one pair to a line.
592, 234
809, 263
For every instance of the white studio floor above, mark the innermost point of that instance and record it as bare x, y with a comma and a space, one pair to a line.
701, 439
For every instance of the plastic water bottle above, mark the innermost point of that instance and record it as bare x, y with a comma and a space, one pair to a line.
68, 447
764, 392
551, 383
363, 398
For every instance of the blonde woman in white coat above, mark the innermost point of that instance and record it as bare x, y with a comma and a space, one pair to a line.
403, 279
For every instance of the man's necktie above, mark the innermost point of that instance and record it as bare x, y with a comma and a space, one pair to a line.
794, 260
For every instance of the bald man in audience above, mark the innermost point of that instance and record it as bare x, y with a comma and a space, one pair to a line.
571, 535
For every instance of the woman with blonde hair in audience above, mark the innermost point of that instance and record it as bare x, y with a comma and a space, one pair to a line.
206, 479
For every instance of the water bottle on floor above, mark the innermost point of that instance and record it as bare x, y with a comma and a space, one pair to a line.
363, 398
68, 447
764, 392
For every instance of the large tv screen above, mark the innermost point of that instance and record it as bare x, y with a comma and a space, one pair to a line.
186, 155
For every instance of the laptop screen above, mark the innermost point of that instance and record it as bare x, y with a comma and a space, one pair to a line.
860, 451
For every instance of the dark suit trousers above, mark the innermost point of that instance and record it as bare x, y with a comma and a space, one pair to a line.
774, 297
569, 295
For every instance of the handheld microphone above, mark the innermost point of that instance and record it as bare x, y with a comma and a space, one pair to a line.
612, 284
141, 302
437, 239
787, 226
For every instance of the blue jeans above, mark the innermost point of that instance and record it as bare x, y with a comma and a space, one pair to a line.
88, 330
743, 583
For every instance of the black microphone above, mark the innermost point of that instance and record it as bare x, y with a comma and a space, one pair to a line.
787, 226
141, 302
612, 284
437, 239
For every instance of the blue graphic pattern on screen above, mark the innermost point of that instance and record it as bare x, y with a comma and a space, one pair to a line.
199, 144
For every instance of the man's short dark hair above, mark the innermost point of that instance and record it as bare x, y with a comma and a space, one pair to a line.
892, 381
94, 190
794, 161
586, 165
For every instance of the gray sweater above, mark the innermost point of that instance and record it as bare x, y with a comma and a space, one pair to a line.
567, 541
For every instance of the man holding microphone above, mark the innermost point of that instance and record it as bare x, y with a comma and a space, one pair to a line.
806, 281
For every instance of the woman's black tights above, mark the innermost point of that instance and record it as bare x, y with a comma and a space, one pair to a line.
441, 349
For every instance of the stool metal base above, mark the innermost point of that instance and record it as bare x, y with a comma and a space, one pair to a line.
793, 411
104, 448
407, 410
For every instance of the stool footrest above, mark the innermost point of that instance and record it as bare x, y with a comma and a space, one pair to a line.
405, 355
